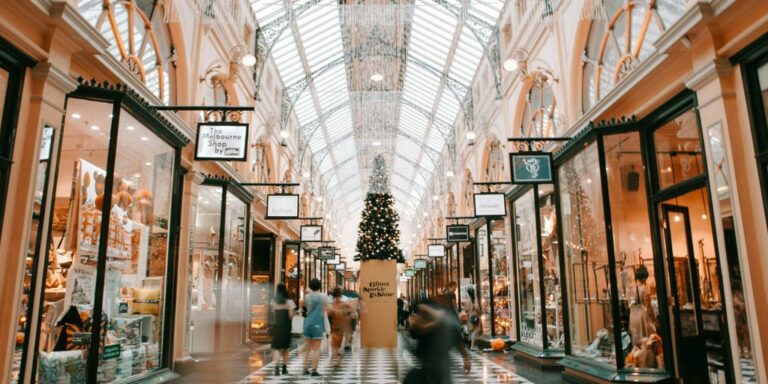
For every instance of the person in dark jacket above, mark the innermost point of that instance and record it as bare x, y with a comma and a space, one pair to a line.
282, 312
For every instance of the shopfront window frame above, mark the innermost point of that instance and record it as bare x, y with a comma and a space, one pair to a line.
124, 101
229, 186
543, 351
594, 134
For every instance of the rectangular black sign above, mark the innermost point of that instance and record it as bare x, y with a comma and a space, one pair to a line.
326, 253
457, 233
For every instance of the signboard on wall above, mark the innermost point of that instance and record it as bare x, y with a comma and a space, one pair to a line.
531, 167
221, 141
420, 264
409, 272
46, 142
457, 233
311, 233
282, 206
436, 250
335, 261
325, 253
490, 205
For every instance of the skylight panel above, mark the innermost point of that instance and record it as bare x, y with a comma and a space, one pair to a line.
267, 10
435, 141
407, 147
305, 109
343, 150
286, 57
487, 10
448, 107
466, 57
412, 122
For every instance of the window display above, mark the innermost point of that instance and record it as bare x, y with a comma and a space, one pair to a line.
109, 246
635, 272
586, 258
218, 302
538, 272
483, 279
502, 301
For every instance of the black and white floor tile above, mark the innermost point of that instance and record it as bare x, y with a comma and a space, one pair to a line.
380, 366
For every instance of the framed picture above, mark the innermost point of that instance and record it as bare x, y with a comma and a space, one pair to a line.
311, 233
490, 205
282, 206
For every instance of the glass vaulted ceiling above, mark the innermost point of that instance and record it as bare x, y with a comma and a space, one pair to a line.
338, 47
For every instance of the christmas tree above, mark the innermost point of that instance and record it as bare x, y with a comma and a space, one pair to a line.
378, 235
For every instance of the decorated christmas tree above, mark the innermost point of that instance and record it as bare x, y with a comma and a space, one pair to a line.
378, 235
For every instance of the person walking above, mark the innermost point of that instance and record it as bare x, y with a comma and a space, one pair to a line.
314, 325
282, 313
435, 326
450, 294
474, 325
340, 316
400, 310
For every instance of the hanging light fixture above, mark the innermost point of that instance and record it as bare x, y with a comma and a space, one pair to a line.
377, 77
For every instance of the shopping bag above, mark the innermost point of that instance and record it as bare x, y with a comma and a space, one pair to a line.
297, 325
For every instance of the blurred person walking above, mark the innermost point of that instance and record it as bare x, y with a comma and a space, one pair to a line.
282, 312
314, 325
437, 330
474, 325
340, 316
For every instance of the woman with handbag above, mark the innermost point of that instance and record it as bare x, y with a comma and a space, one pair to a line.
280, 327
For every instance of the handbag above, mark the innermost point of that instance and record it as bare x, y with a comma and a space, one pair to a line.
297, 325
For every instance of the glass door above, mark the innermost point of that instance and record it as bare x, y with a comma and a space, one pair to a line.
290, 275
685, 291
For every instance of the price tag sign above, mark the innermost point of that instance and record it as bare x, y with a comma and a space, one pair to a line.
221, 141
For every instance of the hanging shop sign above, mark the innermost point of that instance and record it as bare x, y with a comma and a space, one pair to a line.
410, 272
341, 266
335, 261
436, 250
457, 233
326, 253
349, 275
221, 141
531, 167
490, 205
282, 206
311, 233
420, 263
46, 142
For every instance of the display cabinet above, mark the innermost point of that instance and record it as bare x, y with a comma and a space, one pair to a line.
537, 272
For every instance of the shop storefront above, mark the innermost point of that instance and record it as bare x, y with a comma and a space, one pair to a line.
492, 283
101, 296
220, 268
642, 278
262, 280
536, 263
290, 273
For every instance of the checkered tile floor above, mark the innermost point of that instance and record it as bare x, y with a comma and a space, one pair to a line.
380, 366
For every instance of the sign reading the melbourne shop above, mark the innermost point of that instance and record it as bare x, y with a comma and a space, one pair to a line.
221, 141
490, 205
326, 253
282, 206
531, 167
457, 233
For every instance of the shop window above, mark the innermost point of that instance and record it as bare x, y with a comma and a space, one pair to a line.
218, 305
483, 279
138, 37
633, 249
587, 267
107, 272
621, 36
529, 291
678, 150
